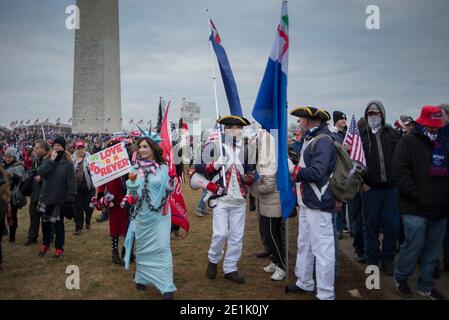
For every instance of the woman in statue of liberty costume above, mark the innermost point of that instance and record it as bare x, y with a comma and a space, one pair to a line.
150, 219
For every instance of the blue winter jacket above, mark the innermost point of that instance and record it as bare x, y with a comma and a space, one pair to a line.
319, 166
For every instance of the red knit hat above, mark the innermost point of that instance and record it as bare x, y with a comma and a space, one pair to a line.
185, 126
431, 116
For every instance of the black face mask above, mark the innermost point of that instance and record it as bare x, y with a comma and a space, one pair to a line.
60, 155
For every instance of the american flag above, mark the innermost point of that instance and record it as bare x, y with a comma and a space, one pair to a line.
354, 143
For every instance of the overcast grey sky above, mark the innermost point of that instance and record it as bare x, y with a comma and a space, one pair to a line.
335, 62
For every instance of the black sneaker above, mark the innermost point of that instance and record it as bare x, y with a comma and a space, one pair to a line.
234, 277
433, 294
211, 271
403, 289
295, 289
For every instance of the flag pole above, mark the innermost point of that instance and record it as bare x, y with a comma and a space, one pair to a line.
43, 132
216, 100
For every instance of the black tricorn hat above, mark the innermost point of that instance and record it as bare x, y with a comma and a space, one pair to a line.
311, 112
233, 121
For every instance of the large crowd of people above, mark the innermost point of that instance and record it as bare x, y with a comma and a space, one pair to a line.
398, 218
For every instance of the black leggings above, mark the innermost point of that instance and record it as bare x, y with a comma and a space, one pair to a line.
272, 230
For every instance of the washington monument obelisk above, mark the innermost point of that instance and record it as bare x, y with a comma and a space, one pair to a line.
96, 83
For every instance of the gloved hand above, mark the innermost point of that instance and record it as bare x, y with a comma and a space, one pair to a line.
215, 188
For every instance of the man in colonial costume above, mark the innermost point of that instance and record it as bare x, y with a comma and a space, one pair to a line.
230, 209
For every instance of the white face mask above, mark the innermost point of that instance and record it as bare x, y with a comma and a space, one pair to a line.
375, 121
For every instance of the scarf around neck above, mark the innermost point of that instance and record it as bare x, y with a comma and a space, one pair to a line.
439, 161
310, 133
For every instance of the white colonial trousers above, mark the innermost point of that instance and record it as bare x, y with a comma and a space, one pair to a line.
228, 222
316, 246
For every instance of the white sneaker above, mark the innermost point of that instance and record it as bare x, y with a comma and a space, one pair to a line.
270, 268
279, 274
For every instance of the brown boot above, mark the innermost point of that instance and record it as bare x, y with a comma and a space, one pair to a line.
211, 271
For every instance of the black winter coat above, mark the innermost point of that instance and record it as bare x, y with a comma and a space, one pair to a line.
389, 139
419, 193
59, 186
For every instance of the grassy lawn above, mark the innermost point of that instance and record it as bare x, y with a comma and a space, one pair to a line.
26, 276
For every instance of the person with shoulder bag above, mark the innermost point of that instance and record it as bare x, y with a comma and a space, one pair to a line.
15, 172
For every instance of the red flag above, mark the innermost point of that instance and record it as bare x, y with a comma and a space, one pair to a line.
179, 214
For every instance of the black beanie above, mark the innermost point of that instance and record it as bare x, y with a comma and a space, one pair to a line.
338, 115
61, 141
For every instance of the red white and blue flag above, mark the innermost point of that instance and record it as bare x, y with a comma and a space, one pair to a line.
354, 143
226, 73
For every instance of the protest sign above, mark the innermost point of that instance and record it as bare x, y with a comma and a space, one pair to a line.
109, 164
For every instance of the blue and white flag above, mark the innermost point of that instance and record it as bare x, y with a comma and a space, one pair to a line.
270, 109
